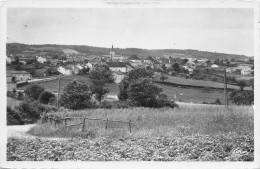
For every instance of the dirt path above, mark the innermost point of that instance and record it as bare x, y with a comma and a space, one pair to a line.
19, 131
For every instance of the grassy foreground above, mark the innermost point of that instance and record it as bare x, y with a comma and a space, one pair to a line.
191, 133
148, 122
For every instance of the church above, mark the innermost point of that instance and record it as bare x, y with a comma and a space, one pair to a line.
114, 57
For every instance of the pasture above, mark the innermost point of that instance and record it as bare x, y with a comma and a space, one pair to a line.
198, 83
53, 85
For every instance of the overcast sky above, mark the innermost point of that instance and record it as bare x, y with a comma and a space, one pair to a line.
220, 30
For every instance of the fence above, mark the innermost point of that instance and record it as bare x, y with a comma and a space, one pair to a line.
54, 121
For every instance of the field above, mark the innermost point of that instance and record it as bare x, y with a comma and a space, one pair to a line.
188, 133
198, 83
192, 94
53, 85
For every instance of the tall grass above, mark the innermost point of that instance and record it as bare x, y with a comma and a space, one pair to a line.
149, 122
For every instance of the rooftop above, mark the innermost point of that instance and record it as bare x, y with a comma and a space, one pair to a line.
116, 64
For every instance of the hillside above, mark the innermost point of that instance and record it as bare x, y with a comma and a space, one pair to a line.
49, 49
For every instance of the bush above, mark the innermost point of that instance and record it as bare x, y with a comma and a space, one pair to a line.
31, 111
13, 117
34, 91
45, 97
217, 101
76, 95
242, 97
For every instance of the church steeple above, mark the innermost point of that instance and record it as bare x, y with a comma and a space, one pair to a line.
112, 48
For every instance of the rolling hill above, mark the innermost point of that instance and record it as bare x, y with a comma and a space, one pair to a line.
51, 49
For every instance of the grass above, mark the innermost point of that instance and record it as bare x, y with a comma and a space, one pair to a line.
187, 120
53, 85
203, 83
192, 94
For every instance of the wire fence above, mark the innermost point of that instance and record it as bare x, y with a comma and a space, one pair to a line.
64, 121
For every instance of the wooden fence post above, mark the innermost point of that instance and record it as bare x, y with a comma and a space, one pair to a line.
83, 124
65, 122
130, 126
106, 124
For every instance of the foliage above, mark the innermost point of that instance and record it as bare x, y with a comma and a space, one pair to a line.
132, 76
163, 78
241, 84
143, 93
217, 101
176, 67
242, 97
76, 95
34, 91
45, 97
13, 117
221, 147
31, 111
99, 91
99, 76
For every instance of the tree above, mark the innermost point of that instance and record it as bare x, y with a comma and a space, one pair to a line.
217, 101
163, 78
242, 97
45, 97
140, 73
251, 82
176, 67
34, 91
216, 61
184, 61
76, 95
241, 84
132, 76
143, 93
100, 76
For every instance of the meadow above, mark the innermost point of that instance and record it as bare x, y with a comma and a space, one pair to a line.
53, 85
188, 133
211, 119
198, 83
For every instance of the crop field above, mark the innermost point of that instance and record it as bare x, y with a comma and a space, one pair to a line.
203, 83
188, 133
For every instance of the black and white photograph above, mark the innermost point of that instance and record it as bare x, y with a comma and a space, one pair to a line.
130, 82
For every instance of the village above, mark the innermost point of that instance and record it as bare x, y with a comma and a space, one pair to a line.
75, 64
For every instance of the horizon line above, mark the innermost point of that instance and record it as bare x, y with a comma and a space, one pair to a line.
132, 48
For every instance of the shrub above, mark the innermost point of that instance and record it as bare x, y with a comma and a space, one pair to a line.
45, 97
13, 117
34, 91
217, 101
76, 95
242, 97
31, 111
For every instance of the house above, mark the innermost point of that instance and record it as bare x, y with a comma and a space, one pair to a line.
89, 65
10, 81
19, 76
117, 66
65, 71
9, 59
118, 76
230, 70
246, 72
134, 59
191, 64
214, 66
41, 59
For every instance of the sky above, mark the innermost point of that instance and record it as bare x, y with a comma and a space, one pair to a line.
222, 30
